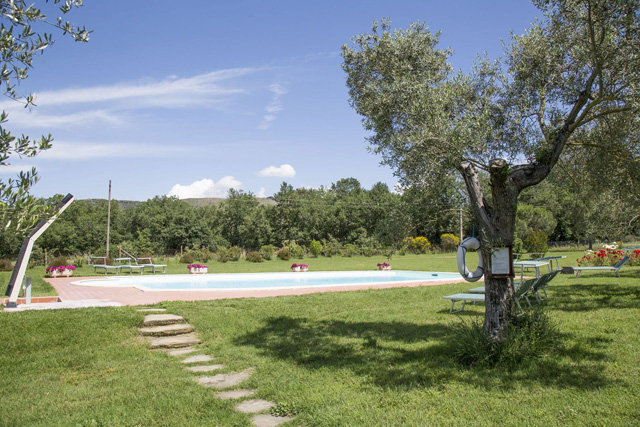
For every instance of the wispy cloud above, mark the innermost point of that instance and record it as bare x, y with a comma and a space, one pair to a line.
115, 101
14, 169
274, 107
283, 171
83, 151
205, 188
28, 118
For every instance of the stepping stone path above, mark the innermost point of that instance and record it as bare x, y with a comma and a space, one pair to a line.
204, 368
225, 380
173, 335
198, 358
234, 394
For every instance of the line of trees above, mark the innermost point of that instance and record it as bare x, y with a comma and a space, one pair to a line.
368, 221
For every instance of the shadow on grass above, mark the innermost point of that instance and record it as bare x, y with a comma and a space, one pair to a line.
583, 297
406, 356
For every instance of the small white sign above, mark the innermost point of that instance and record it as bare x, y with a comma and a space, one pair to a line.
501, 262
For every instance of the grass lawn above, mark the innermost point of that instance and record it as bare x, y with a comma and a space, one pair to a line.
362, 358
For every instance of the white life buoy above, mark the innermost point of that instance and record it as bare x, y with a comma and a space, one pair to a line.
465, 245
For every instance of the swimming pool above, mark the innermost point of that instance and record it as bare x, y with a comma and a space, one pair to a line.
263, 281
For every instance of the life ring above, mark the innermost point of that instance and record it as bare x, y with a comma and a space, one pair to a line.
469, 243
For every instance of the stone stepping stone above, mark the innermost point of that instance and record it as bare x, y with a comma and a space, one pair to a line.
204, 368
161, 319
254, 406
178, 341
165, 330
150, 310
234, 394
180, 351
198, 358
265, 420
224, 380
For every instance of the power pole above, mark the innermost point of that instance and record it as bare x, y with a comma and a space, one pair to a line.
108, 219
461, 223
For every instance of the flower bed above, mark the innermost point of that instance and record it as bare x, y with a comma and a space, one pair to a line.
608, 257
60, 271
299, 267
198, 268
384, 266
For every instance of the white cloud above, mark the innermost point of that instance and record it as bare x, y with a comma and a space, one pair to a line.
205, 188
204, 90
262, 193
15, 169
274, 107
86, 118
284, 171
82, 151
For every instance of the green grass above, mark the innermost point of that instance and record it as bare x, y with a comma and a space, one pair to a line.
363, 358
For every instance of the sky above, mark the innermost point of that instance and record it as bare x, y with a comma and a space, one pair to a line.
192, 98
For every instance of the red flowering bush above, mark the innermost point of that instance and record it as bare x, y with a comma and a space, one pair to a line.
608, 257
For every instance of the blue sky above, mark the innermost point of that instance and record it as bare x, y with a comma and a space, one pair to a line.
192, 98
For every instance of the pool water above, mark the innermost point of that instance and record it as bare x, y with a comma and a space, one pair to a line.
248, 281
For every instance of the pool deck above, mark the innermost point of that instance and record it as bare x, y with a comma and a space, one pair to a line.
91, 296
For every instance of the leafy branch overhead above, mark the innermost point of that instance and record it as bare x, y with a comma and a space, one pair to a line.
22, 37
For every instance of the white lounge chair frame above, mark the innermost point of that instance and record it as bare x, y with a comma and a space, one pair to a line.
614, 268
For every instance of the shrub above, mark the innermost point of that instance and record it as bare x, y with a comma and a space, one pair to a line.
6, 264
528, 337
222, 254
417, 245
316, 248
37, 256
59, 260
283, 254
78, 260
517, 245
295, 250
331, 248
536, 241
449, 242
254, 257
368, 251
202, 255
187, 258
267, 251
349, 250
235, 253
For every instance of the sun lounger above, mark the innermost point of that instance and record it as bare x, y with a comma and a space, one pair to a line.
464, 298
542, 284
126, 265
521, 292
613, 268
106, 268
149, 264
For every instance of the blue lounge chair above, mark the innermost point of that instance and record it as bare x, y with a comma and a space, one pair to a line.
613, 268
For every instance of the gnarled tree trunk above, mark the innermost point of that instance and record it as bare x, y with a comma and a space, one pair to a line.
495, 228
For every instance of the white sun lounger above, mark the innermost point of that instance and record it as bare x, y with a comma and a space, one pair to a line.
613, 268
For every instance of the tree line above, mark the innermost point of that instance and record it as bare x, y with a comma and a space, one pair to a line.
343, 215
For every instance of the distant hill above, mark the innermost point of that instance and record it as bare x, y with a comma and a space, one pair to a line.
125, 204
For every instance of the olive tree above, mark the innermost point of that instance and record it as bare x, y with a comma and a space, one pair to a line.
569, 74
21, 39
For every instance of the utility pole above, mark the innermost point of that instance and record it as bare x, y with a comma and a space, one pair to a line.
461, 223
108, 219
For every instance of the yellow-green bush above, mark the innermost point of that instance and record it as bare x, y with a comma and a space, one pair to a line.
417, 245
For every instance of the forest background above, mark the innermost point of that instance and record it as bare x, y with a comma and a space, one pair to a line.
342, 219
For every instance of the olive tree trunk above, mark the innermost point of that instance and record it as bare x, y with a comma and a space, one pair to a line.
496, 223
